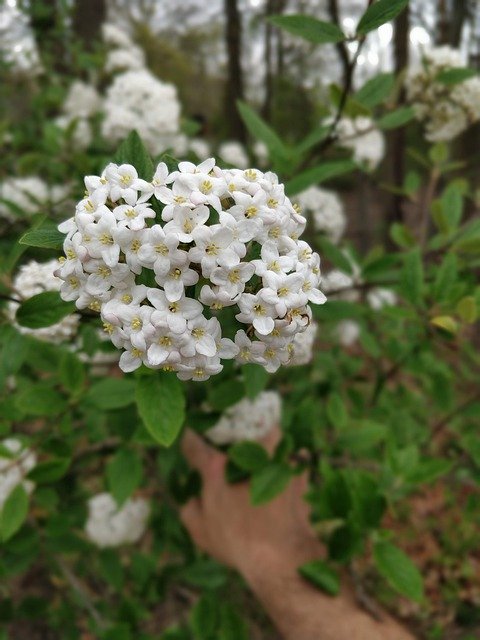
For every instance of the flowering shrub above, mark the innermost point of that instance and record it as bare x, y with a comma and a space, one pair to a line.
201, 281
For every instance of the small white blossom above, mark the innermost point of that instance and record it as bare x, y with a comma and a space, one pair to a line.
108, 525
325, 209
15, 464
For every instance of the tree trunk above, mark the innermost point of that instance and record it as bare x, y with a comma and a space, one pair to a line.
234, 85
49, 31
443, 23
88, 17
400, 45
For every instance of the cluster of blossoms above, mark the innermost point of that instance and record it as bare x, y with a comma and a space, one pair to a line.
247, 420
138, 100
124, 54
303, 345
31, 279
27, 196
364, 139
233, 153
223, 255
81, 103
446, 110
200, 148
110, 526
15, 463
325, 209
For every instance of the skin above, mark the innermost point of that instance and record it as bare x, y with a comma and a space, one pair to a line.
266, 544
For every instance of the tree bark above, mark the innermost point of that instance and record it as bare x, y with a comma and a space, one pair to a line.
49, 32
460, 14
400, 45
234, 85
88, 17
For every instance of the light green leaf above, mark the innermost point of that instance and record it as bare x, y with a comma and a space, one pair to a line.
71, 372
376, 90
397, 118
43, 310
255, 379
111, 393
40, 400
262, 131
50, 470
455, 76
232, 625
321, 575
161, 404
14, 513
379, 13
308, 28
249, 456
336, 411
124, 474
269, 482
319, 174
412, 277
397, 568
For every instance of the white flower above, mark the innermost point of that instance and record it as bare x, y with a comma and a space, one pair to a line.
31, 279
22, 197
114, 36
445, 109
365, 140
381, 297
200, 148
14, 466
234, 154
110, 526
247, 420
82, 100
128, 59
325, 209
193, 260
301, 351
347, 332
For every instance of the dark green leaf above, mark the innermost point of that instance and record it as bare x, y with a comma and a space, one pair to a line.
321, 575
319, 174
397, 568
47, 237
111, 393
376, 90
14, 512
71, 372
269, 482
379, 13
43, 310
40, 400
232, 625
456, 75
412, 277
336, 411
133, 151
309, 28
336, 256
249, 456
255, 379
225, 394
204, 617
161, 404
124, 474
261, 130
49, 471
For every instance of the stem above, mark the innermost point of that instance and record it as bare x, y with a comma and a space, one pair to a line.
426, 204
81, 592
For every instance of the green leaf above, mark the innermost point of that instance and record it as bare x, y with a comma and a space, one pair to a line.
397, 118
452, 204
255, 379
133, 151
376, 90
161, 404
14, 512
397, 568
321, 575
43, 310
379, 13
335, 255
446, 277
249, 456
336, 411
204, 617
401, 235
454, 76
363, 437
50, 470
309, 28
319, 174
232, 625
412, 277
269, 482
261, 130
111, 393
225, 394
46, 237
13, 351
40, 400
429, 470
71, 372
124, 474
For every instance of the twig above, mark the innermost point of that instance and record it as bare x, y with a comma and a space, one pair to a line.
81, 592
426, 204
362, 597
437, 428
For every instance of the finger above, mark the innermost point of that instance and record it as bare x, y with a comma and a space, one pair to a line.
271, 440
196, 451
192, 519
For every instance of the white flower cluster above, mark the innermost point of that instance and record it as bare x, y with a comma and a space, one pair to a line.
138, 100
109, 526
445, 110
261, 153
14, 467
248, 419
124, 54
27, 195
200, 148
233, 153
363, 138
34, 278
224, 239
325, 209
81, 103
